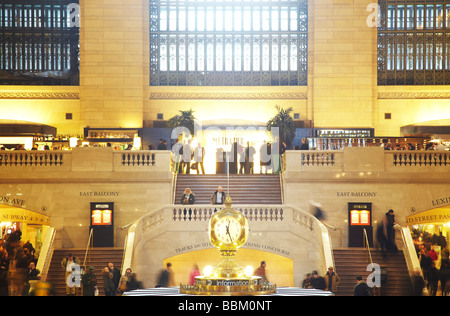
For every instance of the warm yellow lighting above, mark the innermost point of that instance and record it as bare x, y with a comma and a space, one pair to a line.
73, 142
137, 143
248, 271
207, 271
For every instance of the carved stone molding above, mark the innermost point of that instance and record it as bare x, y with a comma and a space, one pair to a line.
39, 95
414, 95
228, 96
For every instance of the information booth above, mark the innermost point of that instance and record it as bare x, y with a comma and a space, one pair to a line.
360, 218
102, 224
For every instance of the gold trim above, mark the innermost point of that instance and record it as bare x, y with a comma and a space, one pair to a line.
414, 95
25, 95
228, 96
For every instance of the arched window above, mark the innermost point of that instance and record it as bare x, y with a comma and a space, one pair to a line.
228, 42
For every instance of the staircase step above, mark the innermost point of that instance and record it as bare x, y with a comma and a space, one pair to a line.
98, 257
351, 262
244, 189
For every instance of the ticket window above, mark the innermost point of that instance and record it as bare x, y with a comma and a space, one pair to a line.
102, 224
360, 218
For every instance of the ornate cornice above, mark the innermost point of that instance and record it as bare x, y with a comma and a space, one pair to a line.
415, 95
228, 96
39, 95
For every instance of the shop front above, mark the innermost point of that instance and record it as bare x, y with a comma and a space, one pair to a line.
32, 225
432, 230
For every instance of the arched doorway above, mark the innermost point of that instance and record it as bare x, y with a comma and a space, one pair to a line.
279, 269
432, 230
32, 225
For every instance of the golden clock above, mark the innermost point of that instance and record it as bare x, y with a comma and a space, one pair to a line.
228, 229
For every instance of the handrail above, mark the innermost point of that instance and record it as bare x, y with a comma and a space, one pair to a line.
46, 253
411, 258
174, 186
335, 228
367, 245
88, 247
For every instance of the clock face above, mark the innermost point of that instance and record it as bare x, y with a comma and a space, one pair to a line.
228, 230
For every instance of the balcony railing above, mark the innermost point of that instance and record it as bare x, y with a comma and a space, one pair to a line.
32, 158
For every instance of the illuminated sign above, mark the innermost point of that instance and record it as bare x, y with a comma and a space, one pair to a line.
358, 217
102, 214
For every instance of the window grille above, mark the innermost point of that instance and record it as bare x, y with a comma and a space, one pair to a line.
228, 42
38, 43
414, 42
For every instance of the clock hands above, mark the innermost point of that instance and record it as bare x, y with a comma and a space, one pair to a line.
228, 232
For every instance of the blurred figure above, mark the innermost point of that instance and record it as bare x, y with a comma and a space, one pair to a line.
317, 210
264, 157
4, 268
123, 281
194, 273
133, 284
305, 144
261, 272
418, 283
166, 278
307, 282
199, 155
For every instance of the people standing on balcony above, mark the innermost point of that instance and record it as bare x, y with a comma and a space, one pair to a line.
186, 157
241, 151
177, 151
188, 197
249, 158
162, 145
218, 197
264, 157
199, 155
305, 144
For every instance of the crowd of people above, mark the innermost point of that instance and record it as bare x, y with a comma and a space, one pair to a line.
114, 284
17, 265
241, 158
435, 268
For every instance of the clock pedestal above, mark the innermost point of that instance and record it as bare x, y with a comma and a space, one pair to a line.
228, 231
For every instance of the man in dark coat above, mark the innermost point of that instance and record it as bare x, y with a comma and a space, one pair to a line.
361, 288
89, 282
116, 277
318, 282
